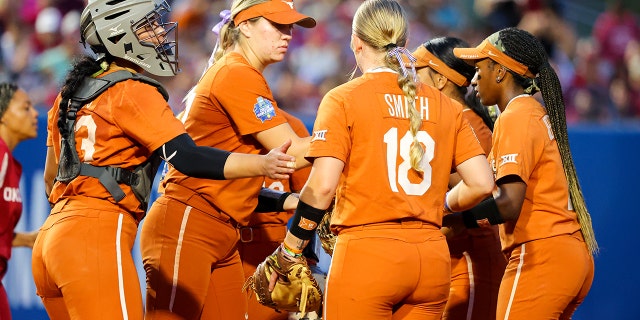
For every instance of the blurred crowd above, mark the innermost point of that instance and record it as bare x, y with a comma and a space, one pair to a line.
600, 72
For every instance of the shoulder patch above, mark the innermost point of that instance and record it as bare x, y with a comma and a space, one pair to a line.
319, 135
508, 158
264, 109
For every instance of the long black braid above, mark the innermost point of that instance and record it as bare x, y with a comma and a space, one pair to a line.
525, 48
83, 67
443, 49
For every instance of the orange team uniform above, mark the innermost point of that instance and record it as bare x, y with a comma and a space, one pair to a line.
550, 269
83, 252
189, 239
390, 256
266, 230
477, 262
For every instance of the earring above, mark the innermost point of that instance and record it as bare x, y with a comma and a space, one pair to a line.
498, 79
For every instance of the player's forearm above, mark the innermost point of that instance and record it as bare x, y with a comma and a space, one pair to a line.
24, 239
298, 149
294, 242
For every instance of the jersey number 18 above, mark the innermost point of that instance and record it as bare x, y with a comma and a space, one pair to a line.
401, 176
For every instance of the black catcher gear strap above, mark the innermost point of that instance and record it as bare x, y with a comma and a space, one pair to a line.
305, 221
70, 166
140, 179
483, 214
192, 160
270, 200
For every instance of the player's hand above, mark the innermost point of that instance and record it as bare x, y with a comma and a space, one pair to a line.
278, 164
284, 260
291, 203
284, 281
452, 225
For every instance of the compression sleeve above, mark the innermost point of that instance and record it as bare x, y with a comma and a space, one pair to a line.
195, 161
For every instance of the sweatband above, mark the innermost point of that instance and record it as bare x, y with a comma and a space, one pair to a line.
447, 209
483, 214
305, 221
270, 200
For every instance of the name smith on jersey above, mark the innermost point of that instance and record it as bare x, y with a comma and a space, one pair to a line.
399, 106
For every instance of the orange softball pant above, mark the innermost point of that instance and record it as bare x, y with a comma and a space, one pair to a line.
388, 271
257, 243
477, 267
82, 264
192, 263
546, 279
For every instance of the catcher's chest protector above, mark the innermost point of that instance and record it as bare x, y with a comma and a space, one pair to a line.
70, 166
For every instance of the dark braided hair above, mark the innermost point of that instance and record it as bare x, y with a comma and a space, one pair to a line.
7, 90
83, 67
442, 48
526, 49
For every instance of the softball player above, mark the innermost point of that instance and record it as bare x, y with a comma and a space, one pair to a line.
545, 228
266, 230
477, 263
82, 263
385, 145
18, 122
189, 241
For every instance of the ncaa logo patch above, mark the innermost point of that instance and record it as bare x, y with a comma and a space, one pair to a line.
264, 109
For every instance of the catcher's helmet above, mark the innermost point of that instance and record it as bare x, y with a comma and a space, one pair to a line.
114, 27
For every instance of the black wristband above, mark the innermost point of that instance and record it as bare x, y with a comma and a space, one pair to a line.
305, 221
469, 220
484, 213
270, 200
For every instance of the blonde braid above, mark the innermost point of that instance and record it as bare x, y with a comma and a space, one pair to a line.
383, 25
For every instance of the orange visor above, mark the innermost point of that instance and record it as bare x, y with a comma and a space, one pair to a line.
492, 48
427, 59
278, 11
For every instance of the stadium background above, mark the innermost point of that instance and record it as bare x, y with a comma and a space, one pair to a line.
602, 89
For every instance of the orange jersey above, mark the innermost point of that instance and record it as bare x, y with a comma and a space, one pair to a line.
365, 124
232, 101
122, 127
483, 133
524, 145
294, 184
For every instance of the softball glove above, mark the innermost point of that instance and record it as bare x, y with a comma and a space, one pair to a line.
296, 289
327, 238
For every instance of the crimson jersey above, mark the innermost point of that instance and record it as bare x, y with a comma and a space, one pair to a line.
524, 145
10, 199
232, 101
122, 127
365, 124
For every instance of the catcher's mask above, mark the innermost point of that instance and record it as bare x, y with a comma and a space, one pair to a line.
134, 30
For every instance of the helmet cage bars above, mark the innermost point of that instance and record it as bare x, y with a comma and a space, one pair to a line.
159, 34
133, 30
